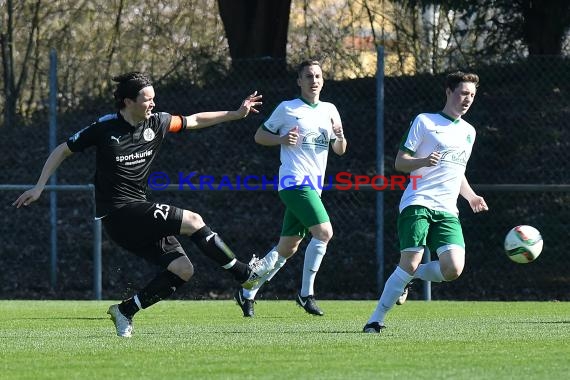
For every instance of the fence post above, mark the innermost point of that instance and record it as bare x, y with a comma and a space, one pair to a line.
53, 179
97, 260
97, 257
380, 167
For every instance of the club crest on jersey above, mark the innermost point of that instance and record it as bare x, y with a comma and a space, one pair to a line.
316, 140
148, 134
469, 139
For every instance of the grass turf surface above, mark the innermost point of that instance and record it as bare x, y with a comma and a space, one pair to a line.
210, 339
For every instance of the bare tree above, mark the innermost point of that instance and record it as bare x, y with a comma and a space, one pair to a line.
482, 30
15, 73
190, 39
96, 39
342, 33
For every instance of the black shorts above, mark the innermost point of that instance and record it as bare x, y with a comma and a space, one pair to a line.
146, 229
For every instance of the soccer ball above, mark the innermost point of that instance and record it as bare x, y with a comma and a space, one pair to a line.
523, 244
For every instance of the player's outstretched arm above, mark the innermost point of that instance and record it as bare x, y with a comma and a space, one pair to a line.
60, 153
207, 119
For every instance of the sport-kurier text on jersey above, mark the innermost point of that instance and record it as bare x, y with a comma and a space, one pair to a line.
123, 157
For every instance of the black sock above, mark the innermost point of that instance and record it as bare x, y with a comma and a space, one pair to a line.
240, 271
214, 247
159, 288
128, 308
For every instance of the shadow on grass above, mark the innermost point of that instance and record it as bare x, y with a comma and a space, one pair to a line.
542, 322
54, 318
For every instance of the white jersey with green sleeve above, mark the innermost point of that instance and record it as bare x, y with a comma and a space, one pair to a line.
437, 187
306, 162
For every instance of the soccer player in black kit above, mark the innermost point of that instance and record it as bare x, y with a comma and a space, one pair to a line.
126, 143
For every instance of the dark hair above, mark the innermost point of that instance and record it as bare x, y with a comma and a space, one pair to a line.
129, 86
453, 79
305, 63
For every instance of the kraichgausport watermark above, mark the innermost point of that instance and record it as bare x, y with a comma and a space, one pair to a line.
342, 181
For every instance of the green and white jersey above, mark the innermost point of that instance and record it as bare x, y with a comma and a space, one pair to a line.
306, 162
437, 187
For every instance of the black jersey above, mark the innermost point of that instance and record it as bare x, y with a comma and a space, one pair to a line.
124, 156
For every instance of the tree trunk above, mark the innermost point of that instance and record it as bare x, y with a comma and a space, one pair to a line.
256, 29
545, 24
12, 83
6, 42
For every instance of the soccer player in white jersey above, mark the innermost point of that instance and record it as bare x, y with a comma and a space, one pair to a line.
435, 148
304, 127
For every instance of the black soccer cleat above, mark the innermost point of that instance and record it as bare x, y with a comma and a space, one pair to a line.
373, 328
245, 304
308, 303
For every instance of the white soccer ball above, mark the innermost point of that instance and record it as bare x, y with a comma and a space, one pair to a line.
523, 244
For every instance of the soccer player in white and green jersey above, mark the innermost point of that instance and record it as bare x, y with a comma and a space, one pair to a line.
304, 127
436, 149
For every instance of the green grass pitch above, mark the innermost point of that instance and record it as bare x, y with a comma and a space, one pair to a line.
211, 340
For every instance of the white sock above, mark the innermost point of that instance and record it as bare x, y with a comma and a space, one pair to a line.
393, 289
271, 257
314, 254
429, 272
278, 265
250, 294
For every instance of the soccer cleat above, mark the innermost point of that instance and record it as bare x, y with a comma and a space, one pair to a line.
258, 268
245, 304
308, 303
373, 328
123, 324
402, 299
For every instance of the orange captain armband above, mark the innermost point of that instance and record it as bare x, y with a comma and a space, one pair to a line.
177, 123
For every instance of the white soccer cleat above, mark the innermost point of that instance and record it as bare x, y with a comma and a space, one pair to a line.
123, 324
402, 299
258, 268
